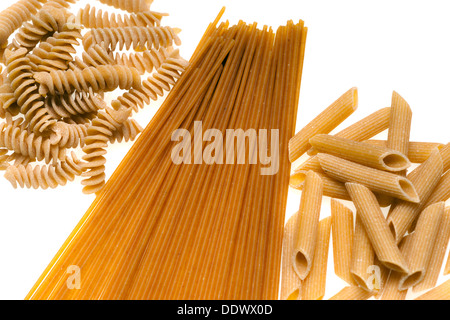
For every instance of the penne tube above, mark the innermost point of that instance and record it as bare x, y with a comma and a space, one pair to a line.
365, 128
325, 122
382, 276
423, 239
418, 152
425, 178
313, 287
376, 227
390, 290
399, 124
377, 180
441, 292
311, 164
362, 258
437, 255
332, 188
373, 156
290, 282
445, 154
342, 237
307, 225
352, 293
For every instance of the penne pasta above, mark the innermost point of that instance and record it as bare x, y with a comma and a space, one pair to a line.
376, 227
325, 122
441, 292
342, 237
445, 154
422, 243
399, 124
362, 257
290, 282
307, 226
313, 287
425, 177
352, 293
418, 152
377, 180
437, 255
373, 156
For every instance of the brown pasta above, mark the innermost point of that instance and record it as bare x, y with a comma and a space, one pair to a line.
445, 154
290, 282
131, 37
68, 135
145, 61
101, 78
128, 131
441, 292
399, 124
352, 293
91, 18
129, 5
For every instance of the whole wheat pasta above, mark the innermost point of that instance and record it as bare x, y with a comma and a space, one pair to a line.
145, 61
13, 17
70, 105
46, 176
377, 180
441, 292
69, 135
96, 56
418, 151
342, 236
325, 122
290, 282
390, 290
423, 240
434, 266
131, 37
93, 18
399, 124
352, 293
445, 154
362, 257
101, 78
129, 5
128, 131
308, 221
360, 152
425, 177
313, 287
376, 227
365, 128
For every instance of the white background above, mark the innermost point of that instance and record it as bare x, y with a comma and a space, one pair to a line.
377, 46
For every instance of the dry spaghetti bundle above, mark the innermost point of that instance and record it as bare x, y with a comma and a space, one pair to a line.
174, 224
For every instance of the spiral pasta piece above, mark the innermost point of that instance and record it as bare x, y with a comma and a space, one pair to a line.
99, 133
145, 61
4, 159
128, 131
56, 52
45, 176
129, 5
15, 138
13, 17
100, 78
131, 37
8, 101
26, 90
97, 56
90, 17
155, 85
69, 135
70, 105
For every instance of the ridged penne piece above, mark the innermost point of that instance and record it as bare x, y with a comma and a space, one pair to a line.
399, 124
376, 227
377, 180
313, 287
311, 164
342, 236
362, 257
352, 293
332, 188
437, 255
423, 239
325, 122
425, 177
418, 151
290, 282
307, 226
373, 156
390, 290
441, 292
445, 154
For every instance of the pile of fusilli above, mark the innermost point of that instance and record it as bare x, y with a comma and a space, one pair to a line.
52, 100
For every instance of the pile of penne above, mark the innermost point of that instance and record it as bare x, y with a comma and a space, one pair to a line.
395, 241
